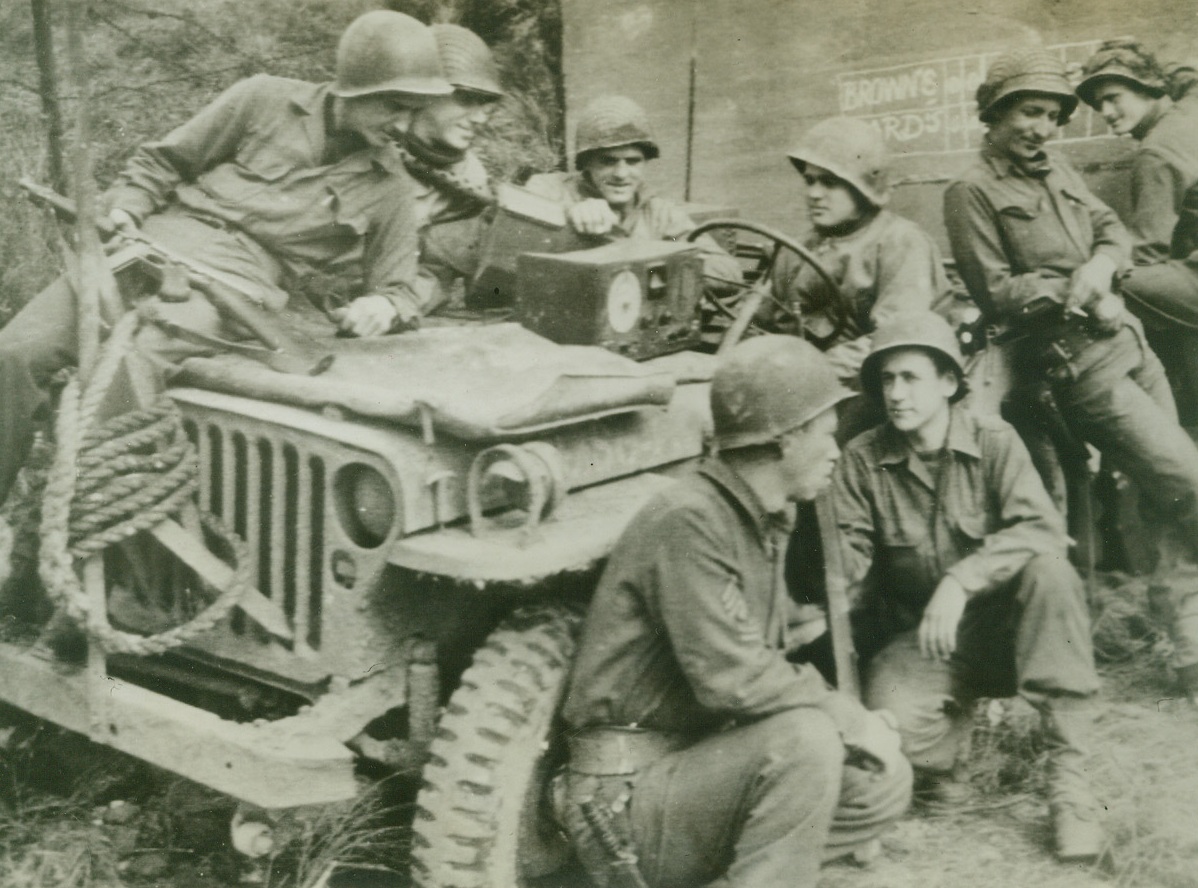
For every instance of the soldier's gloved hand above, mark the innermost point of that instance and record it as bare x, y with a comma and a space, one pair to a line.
877, 747
1090, 282
942, 616
371, 315
592, 216
122, 221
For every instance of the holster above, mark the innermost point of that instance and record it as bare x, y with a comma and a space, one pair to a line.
1064, 342
620, 751
604, 763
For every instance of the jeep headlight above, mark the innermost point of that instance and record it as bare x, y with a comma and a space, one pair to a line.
365, 504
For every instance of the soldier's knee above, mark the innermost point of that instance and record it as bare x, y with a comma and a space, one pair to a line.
806, 737
1051, 581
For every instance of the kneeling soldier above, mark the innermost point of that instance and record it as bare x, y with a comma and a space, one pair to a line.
690, 733
959, 557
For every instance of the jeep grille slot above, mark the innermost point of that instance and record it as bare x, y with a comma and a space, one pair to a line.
273, 497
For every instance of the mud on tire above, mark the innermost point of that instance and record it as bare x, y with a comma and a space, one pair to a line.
480, 820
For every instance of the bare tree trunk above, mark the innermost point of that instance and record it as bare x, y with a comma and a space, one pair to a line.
43, 41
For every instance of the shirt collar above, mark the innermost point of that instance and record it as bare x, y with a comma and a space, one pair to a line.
1004, 166
962, 438
734, 488
1158, 110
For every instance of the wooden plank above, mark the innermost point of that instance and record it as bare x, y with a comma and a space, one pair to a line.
273, 766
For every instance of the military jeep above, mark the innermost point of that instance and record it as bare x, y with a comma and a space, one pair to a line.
424, 523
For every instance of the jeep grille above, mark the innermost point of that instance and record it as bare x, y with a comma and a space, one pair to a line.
273, 497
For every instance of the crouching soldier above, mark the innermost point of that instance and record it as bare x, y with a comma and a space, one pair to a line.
964, 590
606, 196
690, 732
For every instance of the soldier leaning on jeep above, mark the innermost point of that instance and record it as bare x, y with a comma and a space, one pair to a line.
1027, 233
1157, 106
274, 181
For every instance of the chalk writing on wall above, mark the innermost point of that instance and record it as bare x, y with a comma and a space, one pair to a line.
929, 107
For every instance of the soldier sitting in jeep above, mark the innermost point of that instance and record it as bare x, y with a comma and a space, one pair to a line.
881, 263
606, 195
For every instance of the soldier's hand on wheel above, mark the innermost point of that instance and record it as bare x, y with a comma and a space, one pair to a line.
122, 221
1091, 282
592, 216
371, 315
942, 616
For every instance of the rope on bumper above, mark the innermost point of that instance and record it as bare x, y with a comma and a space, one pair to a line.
112, 480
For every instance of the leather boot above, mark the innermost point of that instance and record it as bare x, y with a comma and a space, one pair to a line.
951, 788
1076, 813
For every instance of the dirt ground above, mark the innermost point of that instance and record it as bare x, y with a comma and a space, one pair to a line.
73, 816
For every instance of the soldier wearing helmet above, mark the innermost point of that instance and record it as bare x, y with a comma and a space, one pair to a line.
1040, 253
881, 262
957, 561
245, 191
606, 195
682, 666
454, 189
1141, 98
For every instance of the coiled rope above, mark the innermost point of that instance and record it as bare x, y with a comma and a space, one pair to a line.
112, 480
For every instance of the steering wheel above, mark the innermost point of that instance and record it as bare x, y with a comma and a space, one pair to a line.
742, 305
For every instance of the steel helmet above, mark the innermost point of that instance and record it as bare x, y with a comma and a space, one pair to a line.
1126, 61
913, 329
768, 386
612, 122
389, 52
467, 61
853, 151
1031, 70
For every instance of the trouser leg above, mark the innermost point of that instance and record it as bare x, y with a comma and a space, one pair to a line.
748, 806
1054, 653
933, 719
1054, 665
34, 345
1165, 297
1121, 406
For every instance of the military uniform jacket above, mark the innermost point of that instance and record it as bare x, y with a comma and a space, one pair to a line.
886, 266
686, 629
1161, 171
978, 513
255, 160
1017, 238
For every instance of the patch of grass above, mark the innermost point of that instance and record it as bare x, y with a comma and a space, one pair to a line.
368, 831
